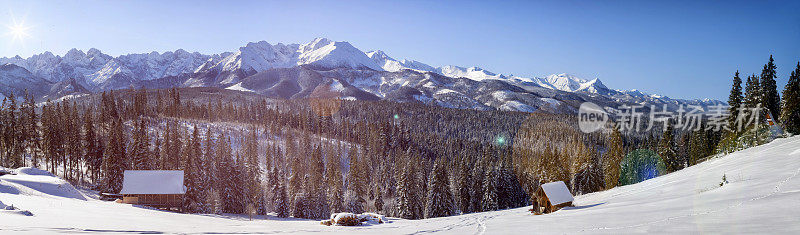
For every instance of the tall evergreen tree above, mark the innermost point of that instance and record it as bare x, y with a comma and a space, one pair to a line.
11, 134
735, 100
281, 202
115, 159
753, 91
317, 200
770, 97
334, 181
236, 182
209, 163
490, 200
698, 145
226, 175
440, 200
478, 181
790, 113
464, 187
252, 168
612, 158
355, 182
408, 190
94, 152
173, 147
30, 125
140, 148
194, 179
666, 149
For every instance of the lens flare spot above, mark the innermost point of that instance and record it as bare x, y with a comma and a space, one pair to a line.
500, 140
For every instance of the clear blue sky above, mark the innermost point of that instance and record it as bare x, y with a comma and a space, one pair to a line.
681, 49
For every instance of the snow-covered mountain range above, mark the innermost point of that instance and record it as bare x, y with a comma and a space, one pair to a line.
320, 68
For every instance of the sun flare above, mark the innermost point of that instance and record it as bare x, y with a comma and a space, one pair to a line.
18, 30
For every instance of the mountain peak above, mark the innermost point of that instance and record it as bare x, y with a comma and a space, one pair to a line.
74, 54
315, 44
93, 52
325, 53
378, 55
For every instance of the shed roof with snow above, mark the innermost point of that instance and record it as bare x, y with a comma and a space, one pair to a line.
557, 192
153, 182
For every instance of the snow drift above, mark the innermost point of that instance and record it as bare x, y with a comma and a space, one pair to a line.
37, 182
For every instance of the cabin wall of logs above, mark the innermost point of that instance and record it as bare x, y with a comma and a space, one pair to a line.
154, 200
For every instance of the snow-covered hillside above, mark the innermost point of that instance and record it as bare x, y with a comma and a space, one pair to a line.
762, 196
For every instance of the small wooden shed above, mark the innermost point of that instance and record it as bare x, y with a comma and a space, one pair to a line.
156, 188
551, 197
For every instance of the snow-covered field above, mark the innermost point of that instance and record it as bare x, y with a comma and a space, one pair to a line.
762, 196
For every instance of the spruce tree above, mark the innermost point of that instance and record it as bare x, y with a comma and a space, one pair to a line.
226, 174
94, 153
612, 158
790, 113
355, 182
666, 149
698, 145
440, 199
753, 91
237, 183
192, 171
334, 181
408, 190
735, 100
209, 165
174, 147
464, 187
318, 203
252, 170
115, 159
281, 201
404, 195
140, 149
418, 187
477, 188
770, 97
13, 156
490, 201
31, 128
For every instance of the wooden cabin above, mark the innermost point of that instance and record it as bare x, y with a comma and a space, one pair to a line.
157, 188
551, 197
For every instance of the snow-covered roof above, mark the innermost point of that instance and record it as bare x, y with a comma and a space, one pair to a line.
153, 182
557, 192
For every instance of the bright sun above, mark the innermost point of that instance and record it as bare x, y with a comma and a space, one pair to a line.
18, 31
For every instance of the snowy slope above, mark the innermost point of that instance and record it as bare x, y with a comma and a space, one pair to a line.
762, 196
392, 65
329, 54
16, 80
474, 73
